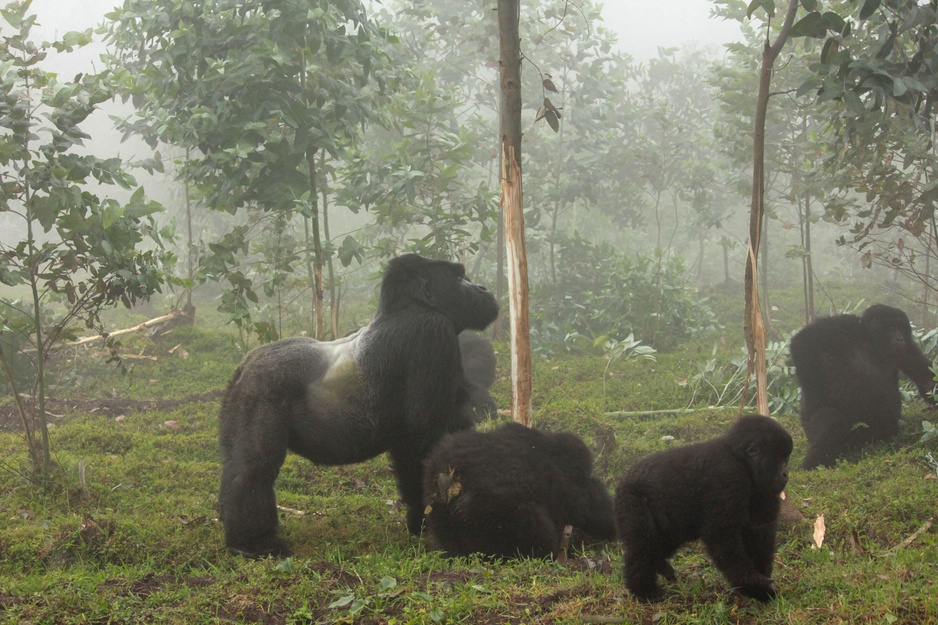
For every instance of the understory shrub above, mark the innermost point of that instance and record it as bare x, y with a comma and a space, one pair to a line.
601, 294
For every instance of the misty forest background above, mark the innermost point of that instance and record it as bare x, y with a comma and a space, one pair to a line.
240, 172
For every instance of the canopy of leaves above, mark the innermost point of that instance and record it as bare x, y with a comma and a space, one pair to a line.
251, 88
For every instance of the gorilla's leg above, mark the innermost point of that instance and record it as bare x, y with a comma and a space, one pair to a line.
759, 543
535, 533
408, 469
725, 546
666, 570
643, 562
252, 460
827, 431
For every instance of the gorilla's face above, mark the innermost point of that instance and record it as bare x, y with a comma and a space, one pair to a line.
471, 306
889, 330
440, 286
767, 447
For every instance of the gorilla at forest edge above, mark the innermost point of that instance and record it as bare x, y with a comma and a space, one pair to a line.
396, 385
847, 367
725, 491
478, 365
511, 492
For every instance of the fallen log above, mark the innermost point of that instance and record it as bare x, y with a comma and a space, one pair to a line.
172, 316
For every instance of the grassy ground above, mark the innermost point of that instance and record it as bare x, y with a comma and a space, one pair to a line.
126, 530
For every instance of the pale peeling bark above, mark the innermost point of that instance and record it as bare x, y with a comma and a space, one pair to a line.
511, 200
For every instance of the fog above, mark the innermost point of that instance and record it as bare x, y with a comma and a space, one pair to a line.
650, 35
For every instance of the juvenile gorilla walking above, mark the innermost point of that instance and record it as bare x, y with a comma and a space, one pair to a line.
724, 491
396, 385
511, 491
848, 369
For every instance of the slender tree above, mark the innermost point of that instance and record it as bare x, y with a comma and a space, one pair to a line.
512, 207
754, 326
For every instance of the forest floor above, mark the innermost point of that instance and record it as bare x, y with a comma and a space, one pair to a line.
125, 529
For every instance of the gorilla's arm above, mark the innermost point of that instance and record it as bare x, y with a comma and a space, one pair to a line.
917, 367
433, 385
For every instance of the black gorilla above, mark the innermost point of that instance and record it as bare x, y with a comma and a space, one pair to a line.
724, 491
396, 385
511, 491
478, 365
847, 367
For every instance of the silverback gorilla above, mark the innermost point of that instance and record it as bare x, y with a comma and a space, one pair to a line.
478, 365
847, 367
396, 385
724, 491
512, 491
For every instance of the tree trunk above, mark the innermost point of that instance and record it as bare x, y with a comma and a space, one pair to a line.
808, 264
500, 282
753, 324
726, 262
333, 297
512, 207
316, 267
190, 257
764, 292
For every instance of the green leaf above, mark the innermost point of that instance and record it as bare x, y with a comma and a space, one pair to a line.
899, 87
830, 46
808, 86
342, 601
768, 5
869, 7
811, 25
834, 22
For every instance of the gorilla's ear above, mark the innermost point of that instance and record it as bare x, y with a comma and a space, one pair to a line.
752, 450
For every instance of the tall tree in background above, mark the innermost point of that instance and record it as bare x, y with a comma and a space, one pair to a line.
255, 92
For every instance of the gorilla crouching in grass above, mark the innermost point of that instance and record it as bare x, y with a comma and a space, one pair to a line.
725, 492
511, 492
396, 385
848, 369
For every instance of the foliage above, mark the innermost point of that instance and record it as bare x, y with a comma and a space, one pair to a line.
878, 65
253, 94
78, 252
417, 174
601, 295
722, 383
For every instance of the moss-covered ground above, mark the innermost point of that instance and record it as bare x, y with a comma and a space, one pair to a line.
125, 530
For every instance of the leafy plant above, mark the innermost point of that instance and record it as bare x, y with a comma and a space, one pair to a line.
929, 431
74, 252
255, 94
722, 384
603, 295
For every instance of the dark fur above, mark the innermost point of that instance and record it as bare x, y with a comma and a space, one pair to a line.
478, 365
396, 385
848, 369
724, 491
510, 492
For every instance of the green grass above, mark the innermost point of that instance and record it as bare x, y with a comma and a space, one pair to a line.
125, 530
